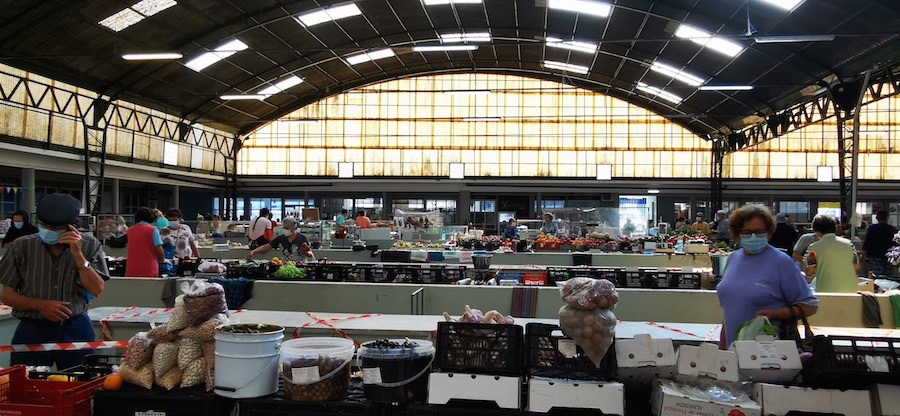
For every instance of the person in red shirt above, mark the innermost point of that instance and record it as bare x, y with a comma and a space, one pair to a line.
144, 246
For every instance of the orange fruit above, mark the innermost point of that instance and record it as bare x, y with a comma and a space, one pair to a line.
113, 382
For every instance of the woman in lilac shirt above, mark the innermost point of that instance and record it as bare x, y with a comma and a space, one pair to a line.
760, 280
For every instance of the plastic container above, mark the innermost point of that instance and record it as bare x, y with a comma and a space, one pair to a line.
396, 375
246, 360
550, 353
480, 348
316, 369
21, 396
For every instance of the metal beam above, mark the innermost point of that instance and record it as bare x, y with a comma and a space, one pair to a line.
848, 150
95, 123
716, 183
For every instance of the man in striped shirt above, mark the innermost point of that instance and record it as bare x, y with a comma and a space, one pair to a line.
48, 279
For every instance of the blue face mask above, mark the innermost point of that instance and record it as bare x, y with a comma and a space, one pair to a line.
19, 225
755, 244
49, 237
161, 223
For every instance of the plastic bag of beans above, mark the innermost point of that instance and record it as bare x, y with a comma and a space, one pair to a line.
188, 351
194, 374
140, 377
170, 379
140, 350
203, 300
179, 318
165, 356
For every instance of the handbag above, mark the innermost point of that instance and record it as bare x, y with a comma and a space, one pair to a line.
789, 331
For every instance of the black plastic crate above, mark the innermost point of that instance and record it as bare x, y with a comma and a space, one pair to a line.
682, 280
130, 400
654, 279
326, 271
480, 348
844, 361
359, 273
454, 273
431, 273
403, 273
278, 405
557, 274
544, 359
631, 279
188, 267
582, 259
583, 272
396, 256
380, 274
116, 267
616, 275
92, 366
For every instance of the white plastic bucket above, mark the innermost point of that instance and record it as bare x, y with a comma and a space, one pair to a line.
247, 360
316, 369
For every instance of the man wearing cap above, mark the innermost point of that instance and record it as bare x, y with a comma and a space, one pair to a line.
785, 236
48, 279
700, 225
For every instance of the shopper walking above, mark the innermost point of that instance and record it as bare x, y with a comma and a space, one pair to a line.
785, 236
258, 228
48, 279
879, 238
145, 250
832, 259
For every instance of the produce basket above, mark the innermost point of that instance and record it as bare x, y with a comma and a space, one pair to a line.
480, 348
845, 361
548, 354
546, 246
21, 396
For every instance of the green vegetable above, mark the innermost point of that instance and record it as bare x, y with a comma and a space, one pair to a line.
290, 271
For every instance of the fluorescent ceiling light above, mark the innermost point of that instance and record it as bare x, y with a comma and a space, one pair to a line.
438, 2
726, 88
345, 169
481, 119
581, 6
467, 92
329, 14
604, 172
659, 93
218, 54
793, 38
281, 85
151, 56
466, 37
788, 5
244, 97
653, 191
137, 12
566, 67
824, 174
457, 170
299, 121
572, 45
704, 38
444, 48
676, 73
370, 56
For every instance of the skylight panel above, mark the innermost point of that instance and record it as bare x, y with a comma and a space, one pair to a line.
206, 59
370, 56
439, 2
788, 5
137, 12
593, 8
466, 37
703, 38
676, 73
573, 45
281, 85
329, 14
444, 48
656, 92
566, 67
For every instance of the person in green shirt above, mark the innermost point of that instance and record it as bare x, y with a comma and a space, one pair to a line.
833, 259
341, 218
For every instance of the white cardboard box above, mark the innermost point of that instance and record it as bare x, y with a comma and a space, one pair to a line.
503, 390
886, 400
767, 360
778, 400
706, 361
545, 394
670, 398
641, 359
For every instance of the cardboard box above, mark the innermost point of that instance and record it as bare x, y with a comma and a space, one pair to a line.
670, 398
886, 400
696, 248
642, 359
767, 360
545, 394
506, 392
778, 400
706, 361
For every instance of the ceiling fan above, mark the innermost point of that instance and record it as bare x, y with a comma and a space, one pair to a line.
751, 33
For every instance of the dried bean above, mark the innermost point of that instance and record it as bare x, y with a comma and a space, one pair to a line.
188, 351
333, 388
140, 350
141, 377
165, 356
170, 379
194, 374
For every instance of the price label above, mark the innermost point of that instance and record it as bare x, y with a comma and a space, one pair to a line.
567, 348
465, 256
371, 375
305, 375
766, 350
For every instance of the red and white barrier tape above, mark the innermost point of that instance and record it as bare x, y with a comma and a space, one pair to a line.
651, 323
328, 323
63, 346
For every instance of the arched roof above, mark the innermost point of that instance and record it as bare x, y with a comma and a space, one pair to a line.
63, 40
